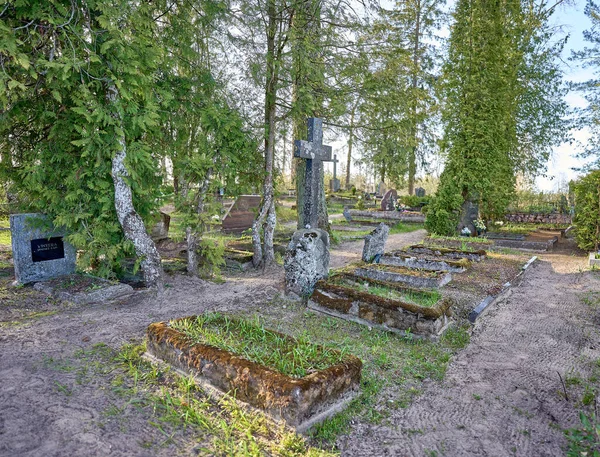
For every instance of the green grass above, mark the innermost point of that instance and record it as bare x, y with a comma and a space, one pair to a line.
403, 227
390, 361
5, 239
462, 239
428, 299
219, 427
285, 214
250, 339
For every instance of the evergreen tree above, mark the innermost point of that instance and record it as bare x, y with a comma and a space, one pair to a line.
79, 105
503, 106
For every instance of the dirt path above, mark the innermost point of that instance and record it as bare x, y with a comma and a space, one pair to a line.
57, 399
502, 395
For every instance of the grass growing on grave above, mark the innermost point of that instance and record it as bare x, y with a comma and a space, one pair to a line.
250, 340
394, 366
425, 298
403, 227
462, 239
211, 427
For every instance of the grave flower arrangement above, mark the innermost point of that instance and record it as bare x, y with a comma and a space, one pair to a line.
480, 226
400, 206
465, 231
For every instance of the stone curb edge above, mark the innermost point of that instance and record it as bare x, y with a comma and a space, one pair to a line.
487, 301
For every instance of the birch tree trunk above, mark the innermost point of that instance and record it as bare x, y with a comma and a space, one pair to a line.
131, 222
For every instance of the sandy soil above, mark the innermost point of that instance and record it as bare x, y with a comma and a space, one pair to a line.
502, 395
55, 402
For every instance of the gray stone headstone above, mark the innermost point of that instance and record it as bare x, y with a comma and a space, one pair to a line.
160, 231
346, 214
374, 246
420, 192
306, 261
381, 189
39, 254
389, 200
469, 213
334, 184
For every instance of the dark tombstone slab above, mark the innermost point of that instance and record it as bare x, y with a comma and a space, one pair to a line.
241, 214
334, 184
469, 213
388, 203
39, 253
420, 192
346, 214
160, 231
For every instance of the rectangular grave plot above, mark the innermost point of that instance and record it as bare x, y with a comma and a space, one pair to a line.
394, 274
447, 253
422, 262
389, 314
301, 402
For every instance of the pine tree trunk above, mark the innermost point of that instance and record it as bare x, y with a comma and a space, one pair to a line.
131, 222
191, 235
350, 143
264, 255
412, 155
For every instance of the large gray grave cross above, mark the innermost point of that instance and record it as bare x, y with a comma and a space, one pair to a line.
315, 153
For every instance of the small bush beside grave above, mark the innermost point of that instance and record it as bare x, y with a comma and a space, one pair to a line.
287, 378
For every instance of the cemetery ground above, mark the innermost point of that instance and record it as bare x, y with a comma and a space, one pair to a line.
72, 380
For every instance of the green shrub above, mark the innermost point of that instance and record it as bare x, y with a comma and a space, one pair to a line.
413, 201
443, 211
587, 211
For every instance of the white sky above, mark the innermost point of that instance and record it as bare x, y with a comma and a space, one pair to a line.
561, 163
573, 21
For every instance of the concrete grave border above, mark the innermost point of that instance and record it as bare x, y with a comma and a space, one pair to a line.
300, 402
394, 274
487, 301
374, 311
409, 260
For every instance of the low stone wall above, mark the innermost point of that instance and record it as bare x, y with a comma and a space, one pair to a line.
553, 218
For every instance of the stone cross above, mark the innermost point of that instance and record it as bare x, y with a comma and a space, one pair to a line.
315, 153
334, 184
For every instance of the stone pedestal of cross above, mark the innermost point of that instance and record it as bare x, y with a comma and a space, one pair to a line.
315, 153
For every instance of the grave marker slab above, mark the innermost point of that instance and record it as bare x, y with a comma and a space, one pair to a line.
420, 192
241, 214
39, 254
389, 200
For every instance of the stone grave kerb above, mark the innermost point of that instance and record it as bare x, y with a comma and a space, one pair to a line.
39, 252
315, 153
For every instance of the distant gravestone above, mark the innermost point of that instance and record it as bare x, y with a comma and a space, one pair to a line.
469, 213
420, 192
241, 214
374, 246
334, 184
346, 214
160, 231
388, 203
381, 189
39, 254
